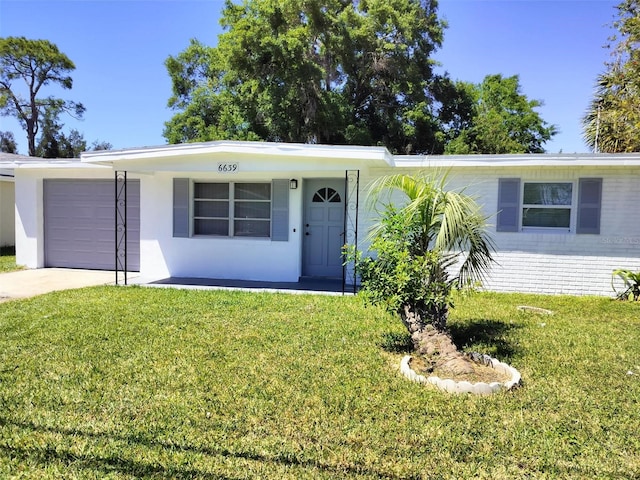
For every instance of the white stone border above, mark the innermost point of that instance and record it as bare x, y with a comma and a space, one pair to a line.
452, 386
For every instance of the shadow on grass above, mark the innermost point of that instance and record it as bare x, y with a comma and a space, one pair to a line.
46, 454
7, 251
483, 332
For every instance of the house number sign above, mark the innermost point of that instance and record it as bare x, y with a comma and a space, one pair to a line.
228, 167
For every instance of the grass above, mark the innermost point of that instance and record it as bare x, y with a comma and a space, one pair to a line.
127, 383
8, 259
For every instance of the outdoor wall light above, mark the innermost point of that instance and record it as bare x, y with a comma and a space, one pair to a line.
293, 184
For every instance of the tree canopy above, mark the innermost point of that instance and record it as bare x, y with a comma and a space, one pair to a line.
319, 71
493, 117
8, 143
612, 121
54, 143
343, 72
26, 66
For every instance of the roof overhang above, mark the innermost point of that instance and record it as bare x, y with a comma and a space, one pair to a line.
519, 160
256, 156
39, 163
270, 156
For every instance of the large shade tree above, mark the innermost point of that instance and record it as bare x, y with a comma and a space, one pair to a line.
435, 240
612, 121
315, 71
26, 66
492, 117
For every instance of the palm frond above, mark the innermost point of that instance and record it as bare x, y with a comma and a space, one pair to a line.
448, 222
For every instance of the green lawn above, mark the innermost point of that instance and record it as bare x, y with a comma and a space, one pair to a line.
127, 383
8, 259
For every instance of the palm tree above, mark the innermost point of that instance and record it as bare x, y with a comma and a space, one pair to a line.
437, 239
612, 121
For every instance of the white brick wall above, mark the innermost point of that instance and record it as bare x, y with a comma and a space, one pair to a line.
555, 263
519, 271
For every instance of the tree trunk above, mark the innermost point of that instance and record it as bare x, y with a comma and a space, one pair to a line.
433, 342
31, 137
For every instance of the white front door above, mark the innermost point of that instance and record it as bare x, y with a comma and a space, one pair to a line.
323, 228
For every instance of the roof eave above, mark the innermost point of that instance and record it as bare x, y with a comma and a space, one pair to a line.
255, 149
519, 160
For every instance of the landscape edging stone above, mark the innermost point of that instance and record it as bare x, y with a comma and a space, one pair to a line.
463, 386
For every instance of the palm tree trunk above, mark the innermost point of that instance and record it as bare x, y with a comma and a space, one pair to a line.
433, 342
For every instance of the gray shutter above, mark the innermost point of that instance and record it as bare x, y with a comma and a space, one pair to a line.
280, 210
508, 205
589, 205
180, 207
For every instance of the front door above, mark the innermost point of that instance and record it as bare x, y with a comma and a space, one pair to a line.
323, 228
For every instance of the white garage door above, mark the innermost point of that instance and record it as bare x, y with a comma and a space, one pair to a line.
79, 219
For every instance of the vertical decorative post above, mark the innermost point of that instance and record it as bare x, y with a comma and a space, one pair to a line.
351, 207
121, 225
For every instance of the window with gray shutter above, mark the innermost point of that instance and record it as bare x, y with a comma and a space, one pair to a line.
252, 210
234, 209
280, 210
180, 207
508, 205
589, 205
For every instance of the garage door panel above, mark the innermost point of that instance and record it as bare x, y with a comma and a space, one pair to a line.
79, 222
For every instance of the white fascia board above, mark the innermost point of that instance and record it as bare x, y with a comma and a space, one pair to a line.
21, 161
202, 155
228, 150
520, 160
60, 165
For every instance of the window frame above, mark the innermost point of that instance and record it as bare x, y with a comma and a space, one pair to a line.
231, 217
548, 229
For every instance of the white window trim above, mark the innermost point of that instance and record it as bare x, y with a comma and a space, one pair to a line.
572, 208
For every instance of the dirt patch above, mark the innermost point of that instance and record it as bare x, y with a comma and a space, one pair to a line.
479, 373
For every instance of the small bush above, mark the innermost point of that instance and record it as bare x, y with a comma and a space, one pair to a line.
631, 281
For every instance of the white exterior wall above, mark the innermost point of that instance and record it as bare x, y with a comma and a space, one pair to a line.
7, 213
29, 220
162, 255
30, 209
533, 261
555, 262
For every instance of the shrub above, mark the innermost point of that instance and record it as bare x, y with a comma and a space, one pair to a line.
631, 282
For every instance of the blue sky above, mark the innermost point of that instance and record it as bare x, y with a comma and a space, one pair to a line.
119, 48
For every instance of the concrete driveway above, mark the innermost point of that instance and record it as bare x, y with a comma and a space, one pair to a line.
29, 283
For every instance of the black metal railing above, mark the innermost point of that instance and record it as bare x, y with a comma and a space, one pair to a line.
121, 226
351, 207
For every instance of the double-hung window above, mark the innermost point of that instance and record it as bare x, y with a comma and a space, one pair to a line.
232, 209
550, 206
547, 205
